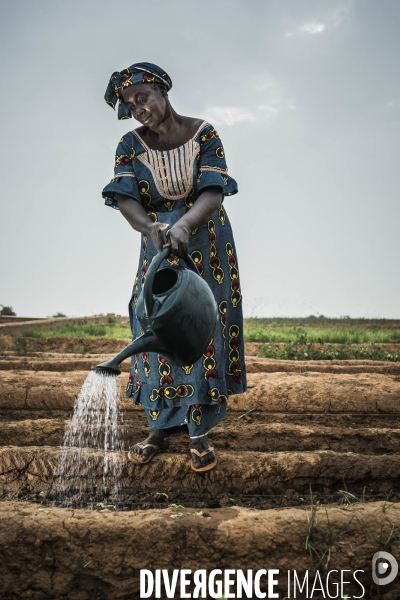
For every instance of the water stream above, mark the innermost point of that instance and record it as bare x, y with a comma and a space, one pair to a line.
90, 467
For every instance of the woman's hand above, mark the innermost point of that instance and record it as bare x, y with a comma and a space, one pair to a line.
201, 212
155, 232
179, 235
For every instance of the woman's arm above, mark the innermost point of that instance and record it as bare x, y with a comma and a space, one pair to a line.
200, 213
137, 218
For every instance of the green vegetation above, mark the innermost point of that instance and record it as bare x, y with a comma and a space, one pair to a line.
344, 332
311, 330
7, 311
321, 537
294, 351
20, 348
349, 498
300, 348
322, 321
82, 330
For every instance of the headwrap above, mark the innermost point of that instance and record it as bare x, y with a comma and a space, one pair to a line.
137, 73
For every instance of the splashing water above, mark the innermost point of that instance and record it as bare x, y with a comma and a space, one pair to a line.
91, 459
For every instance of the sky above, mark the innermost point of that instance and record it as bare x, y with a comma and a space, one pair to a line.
305, 95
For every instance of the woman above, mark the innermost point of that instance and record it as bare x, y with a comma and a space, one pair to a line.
171, 173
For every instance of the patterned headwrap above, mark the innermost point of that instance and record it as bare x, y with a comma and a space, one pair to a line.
137, 73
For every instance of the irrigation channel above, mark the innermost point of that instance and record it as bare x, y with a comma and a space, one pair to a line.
310, 452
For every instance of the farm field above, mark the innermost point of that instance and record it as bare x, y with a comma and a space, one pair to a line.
259, 330
285, 339
308, 475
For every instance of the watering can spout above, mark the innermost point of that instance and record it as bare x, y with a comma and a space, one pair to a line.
148, 342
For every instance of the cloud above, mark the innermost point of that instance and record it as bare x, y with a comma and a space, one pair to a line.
340, 14
268, 102
329, 22
313, 28
393, 103
229, 115
310, 27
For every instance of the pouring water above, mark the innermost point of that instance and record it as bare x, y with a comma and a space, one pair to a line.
91, 461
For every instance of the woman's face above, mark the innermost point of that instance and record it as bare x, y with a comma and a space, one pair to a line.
148, 105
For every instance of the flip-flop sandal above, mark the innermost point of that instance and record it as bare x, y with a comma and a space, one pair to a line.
136, 459
200, 455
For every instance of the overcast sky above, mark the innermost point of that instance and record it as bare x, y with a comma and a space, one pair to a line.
305, 95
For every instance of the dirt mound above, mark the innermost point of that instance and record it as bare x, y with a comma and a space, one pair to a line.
234, 435
81, 345
279, 392
270, 365
61, 554
252, 348
48, 361
260, 473
59, 365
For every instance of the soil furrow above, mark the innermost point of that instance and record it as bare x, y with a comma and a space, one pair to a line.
135, 414
37, 361
294, 393
57, 365
239, 436
66, 345
66, 554
236, 473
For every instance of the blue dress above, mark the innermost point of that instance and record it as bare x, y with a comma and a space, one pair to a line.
167, 183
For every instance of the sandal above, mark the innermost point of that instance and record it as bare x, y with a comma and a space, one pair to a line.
200, 455
136, 459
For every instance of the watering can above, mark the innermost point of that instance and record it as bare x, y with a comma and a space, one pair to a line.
177, 312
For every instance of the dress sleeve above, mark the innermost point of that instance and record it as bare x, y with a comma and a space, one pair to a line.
212, 169
124, 181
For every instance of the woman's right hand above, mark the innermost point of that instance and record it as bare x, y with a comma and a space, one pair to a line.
155, 232
138, 218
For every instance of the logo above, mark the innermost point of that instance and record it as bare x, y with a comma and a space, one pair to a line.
385, 564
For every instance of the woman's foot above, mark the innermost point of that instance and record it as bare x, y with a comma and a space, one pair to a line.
143, 452
203, 455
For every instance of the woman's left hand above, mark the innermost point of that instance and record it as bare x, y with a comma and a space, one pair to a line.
179, 235
201, 212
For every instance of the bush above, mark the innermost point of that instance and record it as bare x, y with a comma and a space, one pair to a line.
20, 347
33, 333
7, 311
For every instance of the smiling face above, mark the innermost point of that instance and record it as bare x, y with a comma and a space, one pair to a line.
148, 103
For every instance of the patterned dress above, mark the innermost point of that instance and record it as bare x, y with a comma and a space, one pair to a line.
167, 183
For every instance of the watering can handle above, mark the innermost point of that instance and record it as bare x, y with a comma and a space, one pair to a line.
157, 260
